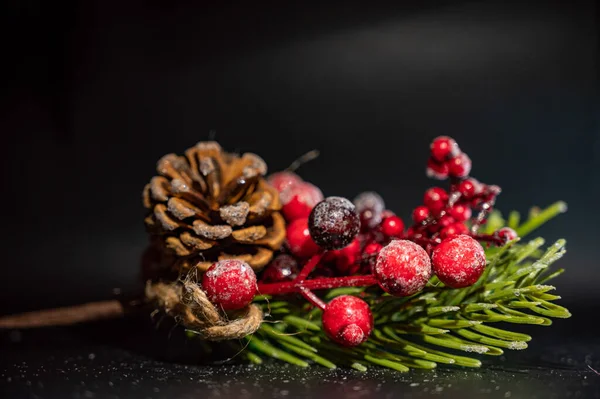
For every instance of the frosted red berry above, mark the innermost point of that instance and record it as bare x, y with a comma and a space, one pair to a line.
506, 234
334, 223
435, 199
346, 259
459, 166
443, 147
403, 268
283, 268
230, 284
420, 214
392, 227
437, 170
299, 240
460, 212
299, 199
468, 188
369, 206
282, 180
458, 262
453, 230
347, 320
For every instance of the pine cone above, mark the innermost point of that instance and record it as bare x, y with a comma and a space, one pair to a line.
210, 205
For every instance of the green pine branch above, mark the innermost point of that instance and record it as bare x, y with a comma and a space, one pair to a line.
436, 326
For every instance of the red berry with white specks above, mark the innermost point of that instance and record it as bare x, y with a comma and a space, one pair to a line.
458, 262
443, 147
230, 284
507, 234
347, 320
299, 199
420, 214
282, 180
460, 165
299, 240
403, 268
435, 199
334, 223
392, 227
460, 212
437, 170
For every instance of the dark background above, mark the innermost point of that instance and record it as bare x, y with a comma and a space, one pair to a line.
96, 91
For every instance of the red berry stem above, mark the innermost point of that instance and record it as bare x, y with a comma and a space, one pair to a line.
320, 283
309, 267
312, 298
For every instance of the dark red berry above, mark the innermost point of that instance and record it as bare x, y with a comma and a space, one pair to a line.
299, 240
469, 188
435, 199
420, 214
299, 199
392, 227
347, 320
460, 166
507, 234
460, 212
334, 223
437, 170
453, 230
403, 268
230, 284
443, 147
283, 268
369, 256
346, 259
282, 180
459, 261
369, 206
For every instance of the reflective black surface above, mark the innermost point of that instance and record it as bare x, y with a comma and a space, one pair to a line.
131, 360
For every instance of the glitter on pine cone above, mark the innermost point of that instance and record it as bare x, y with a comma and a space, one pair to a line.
210, 205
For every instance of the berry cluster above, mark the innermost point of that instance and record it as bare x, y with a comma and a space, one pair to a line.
343, 244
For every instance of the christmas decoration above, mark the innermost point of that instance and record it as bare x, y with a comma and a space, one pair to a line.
278, 271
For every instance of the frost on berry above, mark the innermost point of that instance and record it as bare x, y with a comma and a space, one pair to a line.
282, 180
459, 261
230, 284
369, 206
402, 268
333, 223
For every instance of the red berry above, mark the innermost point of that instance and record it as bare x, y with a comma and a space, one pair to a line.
282, 180
507, 234
334, 223
347, 320
370, 253
445, 221
458, 262
435, 199
369, 206
283, 268
453, 230
420, 214
230, 284
460, 212
345, 259
443, 147
437, 170
469, 188
299, 240
403, 268
460, 165
392, 227
299, 199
